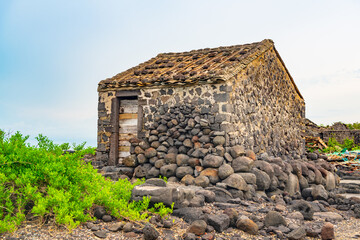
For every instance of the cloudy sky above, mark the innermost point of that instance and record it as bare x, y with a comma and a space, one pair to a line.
53, 53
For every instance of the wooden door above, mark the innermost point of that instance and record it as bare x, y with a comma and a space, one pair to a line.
128, 121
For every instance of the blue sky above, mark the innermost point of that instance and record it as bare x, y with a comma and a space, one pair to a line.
53, 53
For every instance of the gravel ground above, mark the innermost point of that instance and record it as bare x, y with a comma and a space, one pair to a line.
348, 228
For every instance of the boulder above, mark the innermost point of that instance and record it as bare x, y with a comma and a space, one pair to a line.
247, 225
262, 179
231, 212
242, 164
304, 208
292, 185
170, 158
225, 171
198, 227
202, 181
197, 201
212, 174
212, 161
168, 170
221, 195
273, 218
297, 234
153, 173
157, 194
303, 182
150, 233
194, 162
266, 167
99, 212
150, 152
236, 181
188, 180
330, 181
141, 158
180, 195
219, 140
156, 182
182, 159
188, 143
130, 161
220, 222
183, 171
189, 214
249, 178
237, 151
327, 231
318, 192
208, 195
250, 154
328, 216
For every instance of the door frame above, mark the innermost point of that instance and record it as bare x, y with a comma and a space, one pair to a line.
114, 119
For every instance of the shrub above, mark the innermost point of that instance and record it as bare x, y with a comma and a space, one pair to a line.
355, 125
42, 181
335, 146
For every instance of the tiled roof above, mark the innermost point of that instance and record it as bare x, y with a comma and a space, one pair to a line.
209, 65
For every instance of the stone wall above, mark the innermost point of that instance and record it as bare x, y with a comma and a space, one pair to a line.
267, 112
105, 128
341, 135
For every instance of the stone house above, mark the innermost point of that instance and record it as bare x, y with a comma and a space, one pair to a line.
200, 102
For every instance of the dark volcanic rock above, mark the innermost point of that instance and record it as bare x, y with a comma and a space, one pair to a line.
221, 195
150, 233
327, 231
297, 234
225, 171
189, 214
212, 161
99, 212
242, 164
247, 225
198, 227
262, 179
304, 208
100, 234
168, 170
274, 219
236, 181
220, 222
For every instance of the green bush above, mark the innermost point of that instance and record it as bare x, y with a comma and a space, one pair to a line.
355, 125
44, 182
335, 146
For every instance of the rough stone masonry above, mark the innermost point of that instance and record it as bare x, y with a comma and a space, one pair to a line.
196, 112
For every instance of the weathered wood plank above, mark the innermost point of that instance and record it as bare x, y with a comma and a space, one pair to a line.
123, 116
125, 137
128, 121
123, 154
129, 106
124, 149
132, 129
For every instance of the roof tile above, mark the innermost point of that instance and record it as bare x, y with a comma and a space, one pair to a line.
208, 65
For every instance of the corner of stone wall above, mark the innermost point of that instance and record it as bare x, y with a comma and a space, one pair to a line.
104, 128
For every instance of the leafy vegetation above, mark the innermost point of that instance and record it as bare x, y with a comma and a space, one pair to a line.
335, 146
355, 125
44, 182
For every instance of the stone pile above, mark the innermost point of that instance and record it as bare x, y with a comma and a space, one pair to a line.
187, 150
